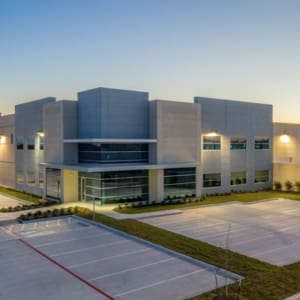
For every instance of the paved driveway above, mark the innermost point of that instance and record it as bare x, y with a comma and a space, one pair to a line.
267, 230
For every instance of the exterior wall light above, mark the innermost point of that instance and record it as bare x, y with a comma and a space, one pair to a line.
41, 133
2, 138
212, 132
284, 138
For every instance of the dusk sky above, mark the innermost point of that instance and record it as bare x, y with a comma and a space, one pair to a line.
175, 50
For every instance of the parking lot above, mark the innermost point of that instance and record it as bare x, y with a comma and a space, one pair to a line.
267, 230
69, 258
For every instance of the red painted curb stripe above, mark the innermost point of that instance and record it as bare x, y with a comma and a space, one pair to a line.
67, 270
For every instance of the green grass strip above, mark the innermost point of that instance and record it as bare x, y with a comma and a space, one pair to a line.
21, 195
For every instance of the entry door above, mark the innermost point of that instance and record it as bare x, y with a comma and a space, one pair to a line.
82, 189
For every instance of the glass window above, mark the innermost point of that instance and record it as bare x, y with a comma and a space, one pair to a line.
113, 153
238, 178
30, 143
261, 142
211, 142
30, 178
11, 138
211, 180
261, 176
114, 187
41, 139
41, 178
20, 143
20, 177
53, 189
180, 182
238, 143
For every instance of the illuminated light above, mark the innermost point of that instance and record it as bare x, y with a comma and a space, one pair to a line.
2, 139
41, 133
284, 138
212, 133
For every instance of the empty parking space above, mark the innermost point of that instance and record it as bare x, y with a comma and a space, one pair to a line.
267, 230
120, 265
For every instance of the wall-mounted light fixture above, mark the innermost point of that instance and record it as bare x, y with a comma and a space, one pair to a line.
212, 132
2, 138
284, 138
40, 133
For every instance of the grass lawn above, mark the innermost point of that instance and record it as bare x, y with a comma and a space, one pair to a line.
24, 196
262, 280
242, 197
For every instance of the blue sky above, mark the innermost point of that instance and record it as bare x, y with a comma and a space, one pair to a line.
243, 50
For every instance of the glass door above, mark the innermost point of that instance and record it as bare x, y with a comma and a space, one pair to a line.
82, 189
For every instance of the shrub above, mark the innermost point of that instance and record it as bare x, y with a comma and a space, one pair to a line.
278, 186
288, 185
297, 184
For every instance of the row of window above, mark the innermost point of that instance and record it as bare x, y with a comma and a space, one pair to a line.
30, 142
29, 178
237, 178
112, 153
236, 143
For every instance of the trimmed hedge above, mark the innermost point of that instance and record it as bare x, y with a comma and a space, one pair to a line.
50, 213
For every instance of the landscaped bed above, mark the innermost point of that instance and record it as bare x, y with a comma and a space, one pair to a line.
262, 280
207, 200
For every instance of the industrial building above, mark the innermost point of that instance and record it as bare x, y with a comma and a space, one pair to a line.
114, 146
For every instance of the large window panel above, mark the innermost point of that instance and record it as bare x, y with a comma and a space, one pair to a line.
211, 180
113, 153
261, 176
30, 178
238, 178
114, 187
211, 143
262, 142
20, 177
30, 142
238, 143
20, 143
179, 182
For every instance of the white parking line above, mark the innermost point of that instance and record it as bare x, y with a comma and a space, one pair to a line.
279, 248
88, 248
43, 229
159, 283
71, 240
108, 258
132, 269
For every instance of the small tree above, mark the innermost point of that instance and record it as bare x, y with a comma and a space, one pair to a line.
288, 185
278, 186
297, 184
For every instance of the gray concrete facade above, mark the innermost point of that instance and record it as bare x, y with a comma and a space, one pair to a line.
28, 153
235, 119
7, 150
101, 141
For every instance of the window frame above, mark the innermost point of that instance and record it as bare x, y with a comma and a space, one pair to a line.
211, 145
242, 145
262, 145
210, 180
261, 182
